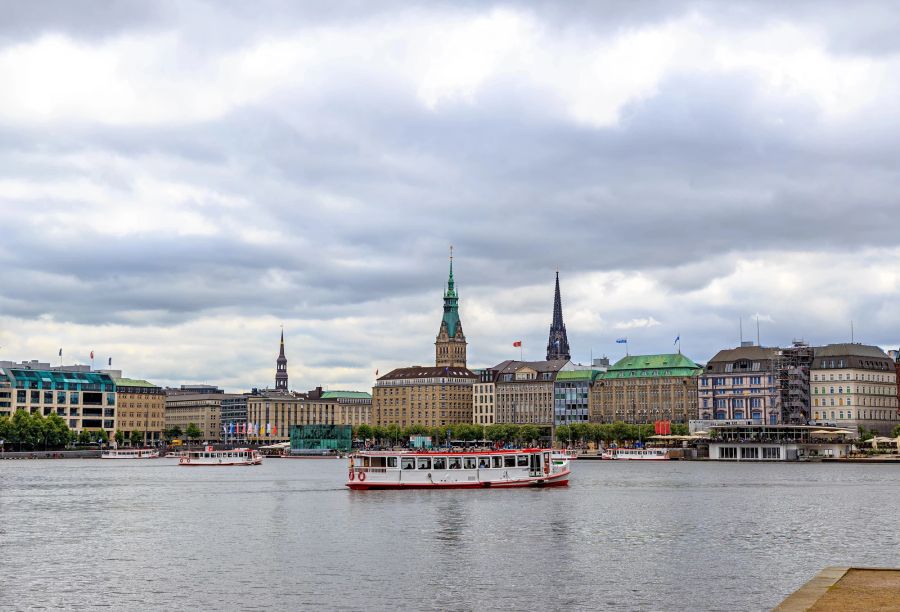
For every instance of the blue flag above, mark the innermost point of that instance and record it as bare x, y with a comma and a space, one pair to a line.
622, 341
677, 338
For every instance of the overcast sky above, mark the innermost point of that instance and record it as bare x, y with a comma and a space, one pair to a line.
178, 180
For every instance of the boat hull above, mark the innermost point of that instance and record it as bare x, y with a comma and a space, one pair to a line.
555, 480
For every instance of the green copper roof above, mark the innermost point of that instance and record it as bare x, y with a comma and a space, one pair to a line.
132, 382
673, 364
346, 395
451, 312
588, 375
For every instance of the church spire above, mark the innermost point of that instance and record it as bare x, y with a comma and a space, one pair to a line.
281, 375
558, 344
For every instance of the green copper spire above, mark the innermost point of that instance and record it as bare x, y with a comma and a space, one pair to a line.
451, 312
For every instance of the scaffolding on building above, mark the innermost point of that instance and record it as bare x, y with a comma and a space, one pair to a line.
792, 376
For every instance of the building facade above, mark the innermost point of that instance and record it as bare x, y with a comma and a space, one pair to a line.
202, 409
273, 413
427, 396
572, 396
742, 383
6, 402
524, 391
85, 400
142, 408
483, 404
647, 388
854, 385
233, 414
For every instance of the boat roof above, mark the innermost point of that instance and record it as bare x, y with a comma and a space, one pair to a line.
427, 453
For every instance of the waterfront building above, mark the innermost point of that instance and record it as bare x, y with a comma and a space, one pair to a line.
281, 375
483, 404
854, 385
233, 413
142, 408
572, 395
428, 396
202, 409
85, 400
6, 405
755, 441
741, 383
524, 391
558, 342
647, 388
275, 413
450, 344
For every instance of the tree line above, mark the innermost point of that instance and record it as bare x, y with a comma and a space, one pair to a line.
25, 431
577, 434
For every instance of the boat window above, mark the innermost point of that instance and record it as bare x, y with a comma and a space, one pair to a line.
454, 463
509, 461
440, 463
496, 462
424, 463
407, 463
469, 463
484, 462
392, 462
522, 460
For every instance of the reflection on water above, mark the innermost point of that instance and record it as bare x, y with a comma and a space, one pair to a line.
678, 535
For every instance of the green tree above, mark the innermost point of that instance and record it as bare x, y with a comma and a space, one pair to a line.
528, 434
84, 437
56, 432
564, 434
173, 433
6, 429
193, 432
137, 438
364, 432
895, 433
120, 438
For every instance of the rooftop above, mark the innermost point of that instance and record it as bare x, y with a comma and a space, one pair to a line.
746, 352
588, 375
133, 382
848, 349
58, 377
666, 364
346, 395
428, 372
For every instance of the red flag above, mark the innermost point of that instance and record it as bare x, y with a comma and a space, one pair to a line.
274, 430
656, 427
517, 343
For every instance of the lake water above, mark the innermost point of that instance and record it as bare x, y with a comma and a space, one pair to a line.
84, 534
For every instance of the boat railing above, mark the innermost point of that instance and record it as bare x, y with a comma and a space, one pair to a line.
370, 470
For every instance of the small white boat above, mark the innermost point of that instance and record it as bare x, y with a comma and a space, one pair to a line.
637, 454
208, 456
130, 453
532, 467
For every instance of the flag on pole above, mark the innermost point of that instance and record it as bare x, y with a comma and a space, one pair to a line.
517, 344
110, 362
60, 352
621, 340
92, 355
274, 430
376, 372
677, 338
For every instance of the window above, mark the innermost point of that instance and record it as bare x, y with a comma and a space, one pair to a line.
440, 463
424, 463
496, 462
522, 460
728, 452
771, 452
454, 463
407, 463
749, 452
469, 463
509, 461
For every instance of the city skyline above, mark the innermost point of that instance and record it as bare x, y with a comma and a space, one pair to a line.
180, 180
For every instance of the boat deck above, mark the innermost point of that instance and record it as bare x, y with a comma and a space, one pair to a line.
848, 589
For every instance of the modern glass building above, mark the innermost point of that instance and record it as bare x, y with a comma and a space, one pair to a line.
571, 396
308, 439
86, 400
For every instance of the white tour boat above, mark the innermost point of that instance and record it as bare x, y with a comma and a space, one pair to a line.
130, 453
533, 467
208, 456
637, 454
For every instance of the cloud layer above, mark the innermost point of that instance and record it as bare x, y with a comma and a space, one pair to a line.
177, 180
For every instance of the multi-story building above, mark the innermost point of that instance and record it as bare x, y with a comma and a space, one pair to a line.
86, 400
274, 413
742, 383
142, 408
854, 385
647, 388
6, 405
202, 409
524, 391
792, 369
428, 396
572, 395
483, 405
234, 412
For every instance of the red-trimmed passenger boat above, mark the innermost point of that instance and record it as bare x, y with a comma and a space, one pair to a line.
531, 467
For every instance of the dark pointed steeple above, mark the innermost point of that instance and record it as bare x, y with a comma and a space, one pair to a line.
558, 344
450, 344
281, 375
